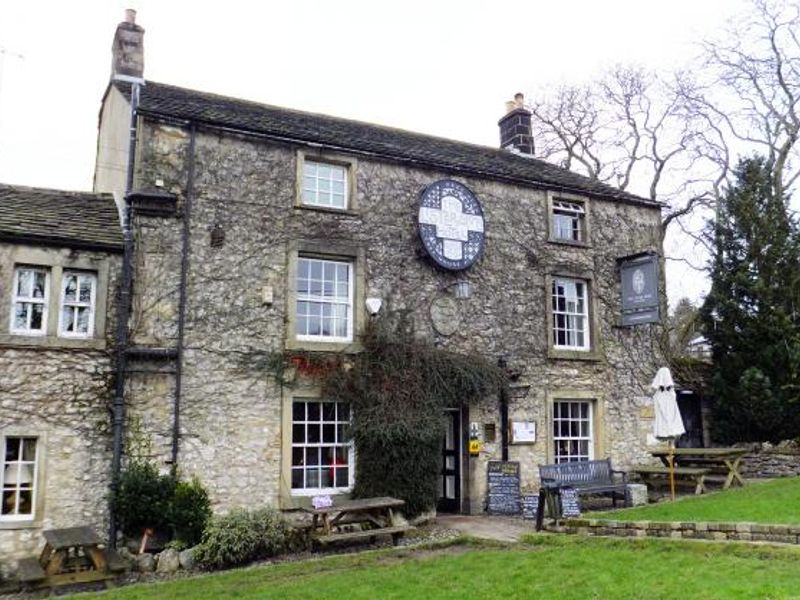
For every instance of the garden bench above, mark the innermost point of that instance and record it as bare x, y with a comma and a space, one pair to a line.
691, 475
587, 477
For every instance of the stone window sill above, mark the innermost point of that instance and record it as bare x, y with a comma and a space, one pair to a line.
49, 342
558, 354
9, 525
569, 243
344, 347
346, 212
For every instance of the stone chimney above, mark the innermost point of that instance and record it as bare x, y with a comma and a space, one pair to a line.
515, 127
127, 51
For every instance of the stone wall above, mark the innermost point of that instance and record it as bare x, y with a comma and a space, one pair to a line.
767, 460
59, 392
231, 407
701, 530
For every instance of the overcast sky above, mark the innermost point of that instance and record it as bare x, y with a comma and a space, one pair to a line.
439, 67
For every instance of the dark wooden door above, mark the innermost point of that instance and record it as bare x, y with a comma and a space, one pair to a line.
450, 477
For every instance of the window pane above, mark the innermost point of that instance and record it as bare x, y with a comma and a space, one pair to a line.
313, 434
67, 320
328, 411
21, 315
70, 288
312, 456
86, 285
37, 316
313, 411
298, 434
342, 477
297, 479
12, 448
298, 455
83, 320
9, 505
29, 449
316, 269
329, 434
299, 411
24, 282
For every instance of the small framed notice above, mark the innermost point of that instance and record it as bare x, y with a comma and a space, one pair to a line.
523, 432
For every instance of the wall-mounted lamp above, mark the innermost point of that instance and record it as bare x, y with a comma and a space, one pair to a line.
373, 305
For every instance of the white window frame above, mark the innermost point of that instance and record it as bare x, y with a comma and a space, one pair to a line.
311, 192
321, 299
571, 316
30, 300
76, 304
34, 481
559, 420
576, 213
305, 445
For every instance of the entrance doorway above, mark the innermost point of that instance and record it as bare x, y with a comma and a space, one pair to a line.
450, 477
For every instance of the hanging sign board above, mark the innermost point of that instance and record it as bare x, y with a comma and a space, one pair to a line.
504, 487
451, 224
639, 283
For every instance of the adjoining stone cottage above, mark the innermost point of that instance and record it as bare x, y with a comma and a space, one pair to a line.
254, 229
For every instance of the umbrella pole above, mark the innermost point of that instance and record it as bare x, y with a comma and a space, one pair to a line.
672, 467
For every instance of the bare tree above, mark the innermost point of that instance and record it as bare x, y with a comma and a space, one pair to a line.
675, 138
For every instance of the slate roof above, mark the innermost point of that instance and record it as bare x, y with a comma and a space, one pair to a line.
158, 99
57, 217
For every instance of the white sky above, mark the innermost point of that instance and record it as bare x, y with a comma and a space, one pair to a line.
434, 66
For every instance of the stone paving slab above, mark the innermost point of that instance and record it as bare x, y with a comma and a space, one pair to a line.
501, 529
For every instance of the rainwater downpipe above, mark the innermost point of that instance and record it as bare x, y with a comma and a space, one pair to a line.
122, 334
182, 298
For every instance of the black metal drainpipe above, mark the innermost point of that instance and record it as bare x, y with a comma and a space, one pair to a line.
123, 312
504, 424
182, 299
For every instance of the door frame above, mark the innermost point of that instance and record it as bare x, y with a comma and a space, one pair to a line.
456, 505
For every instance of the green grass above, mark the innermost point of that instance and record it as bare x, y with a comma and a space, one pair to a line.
553, 566
776, 501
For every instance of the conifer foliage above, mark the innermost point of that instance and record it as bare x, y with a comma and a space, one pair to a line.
751, 315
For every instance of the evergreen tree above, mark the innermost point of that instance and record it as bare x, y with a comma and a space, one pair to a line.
749, 316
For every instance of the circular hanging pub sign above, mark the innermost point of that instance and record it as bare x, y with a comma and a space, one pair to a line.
451, 224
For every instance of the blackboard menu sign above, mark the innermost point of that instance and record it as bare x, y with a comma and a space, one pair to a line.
503, 482
570, 504
530, 506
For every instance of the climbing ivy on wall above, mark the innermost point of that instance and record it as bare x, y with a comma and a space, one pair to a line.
398, 388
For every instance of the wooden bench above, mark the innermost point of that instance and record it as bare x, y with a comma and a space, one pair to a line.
587, 477
691, 475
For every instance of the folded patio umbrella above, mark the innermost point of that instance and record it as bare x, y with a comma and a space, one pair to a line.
668, 424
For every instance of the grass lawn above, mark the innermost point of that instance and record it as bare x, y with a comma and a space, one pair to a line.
555, 566
776, 501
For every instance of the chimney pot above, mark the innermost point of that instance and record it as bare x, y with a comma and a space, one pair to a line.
130, 16
519, 98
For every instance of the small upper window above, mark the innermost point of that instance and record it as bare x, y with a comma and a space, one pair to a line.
78, 292
568, 221
18, 478
324, 185
29, 304
324, 300
570, 314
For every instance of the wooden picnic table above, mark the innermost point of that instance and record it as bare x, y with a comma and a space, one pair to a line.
353, 519
71, 555
724, 460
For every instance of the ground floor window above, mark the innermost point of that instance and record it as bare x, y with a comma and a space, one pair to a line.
18, 478
573, 435
322, 455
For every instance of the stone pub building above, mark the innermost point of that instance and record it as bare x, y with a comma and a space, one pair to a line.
248, 229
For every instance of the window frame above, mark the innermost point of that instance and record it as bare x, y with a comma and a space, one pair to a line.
555, 204
356, 255
36, 483
351, 456
44, 301
77, 304
585, 315
311, 299
589, 419
348, 164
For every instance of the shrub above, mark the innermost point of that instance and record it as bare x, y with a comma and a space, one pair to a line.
143, 499
242, 536
190, 512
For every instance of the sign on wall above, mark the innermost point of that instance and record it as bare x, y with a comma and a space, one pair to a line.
639, 279
451, 224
